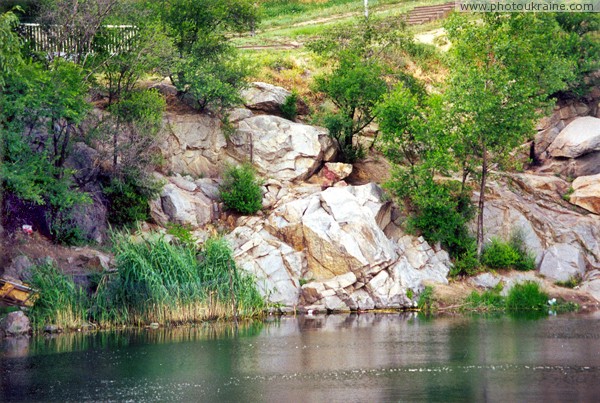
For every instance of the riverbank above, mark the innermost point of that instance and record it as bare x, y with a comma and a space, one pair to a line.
458, 297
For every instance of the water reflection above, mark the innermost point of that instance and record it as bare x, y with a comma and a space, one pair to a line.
366, 357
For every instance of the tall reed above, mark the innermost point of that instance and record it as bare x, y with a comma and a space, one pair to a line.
60, 301
157, 281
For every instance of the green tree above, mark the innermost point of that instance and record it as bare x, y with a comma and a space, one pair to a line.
503, 70
208, 69
132, 133
355, 86
42, 109
412, 137
359, 77
10, 46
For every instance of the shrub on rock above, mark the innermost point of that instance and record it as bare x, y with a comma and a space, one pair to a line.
240, 190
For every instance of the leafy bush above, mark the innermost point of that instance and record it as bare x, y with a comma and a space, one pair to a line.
526, 296
499, 255
183, 233
512, 254
467, 262
240, 190
289, 108
440, 212
526, 259
426, 301
129, 197
487, 300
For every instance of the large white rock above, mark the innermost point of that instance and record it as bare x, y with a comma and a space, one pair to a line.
580, 137
274, 264
182, 207
339, 246
193, 144
282, 149
265, 97
587, 193
561, 262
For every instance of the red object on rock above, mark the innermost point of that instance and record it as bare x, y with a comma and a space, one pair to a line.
28, 229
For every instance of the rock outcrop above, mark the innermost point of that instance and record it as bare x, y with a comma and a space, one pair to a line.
269, 98
265, 97
15, 324
333, 242
562, 262
565, 241
580, 137
193, 144
282, 149
186, 202
586, 193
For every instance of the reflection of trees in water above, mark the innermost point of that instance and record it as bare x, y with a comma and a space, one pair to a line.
72, 342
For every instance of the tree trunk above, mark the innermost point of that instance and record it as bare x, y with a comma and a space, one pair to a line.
116, 145
481, 203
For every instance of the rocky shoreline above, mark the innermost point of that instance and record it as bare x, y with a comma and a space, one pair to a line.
327, 243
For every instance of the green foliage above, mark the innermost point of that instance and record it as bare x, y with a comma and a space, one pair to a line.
359, 77
499, 255
148, 51
354, 86
64, 229
212, 81
503, 70
567, 196
487, 300
208, 69
10, 46
191, 22
467, 262
426, 301
438, 216
289, 108
526, 296
526, 260
42, 108
572, 282
183, 233
131, 131
411, 136
128, 198
240, 189
60, 301
508, 255
221, 277
580, 45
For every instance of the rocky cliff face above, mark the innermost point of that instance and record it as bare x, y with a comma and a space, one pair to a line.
327, 250
337, 248
320, 244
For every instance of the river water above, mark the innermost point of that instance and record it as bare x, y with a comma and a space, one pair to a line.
345, 358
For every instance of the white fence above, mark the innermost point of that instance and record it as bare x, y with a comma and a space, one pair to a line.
55, 39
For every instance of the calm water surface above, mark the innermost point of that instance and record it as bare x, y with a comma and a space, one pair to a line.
345, 358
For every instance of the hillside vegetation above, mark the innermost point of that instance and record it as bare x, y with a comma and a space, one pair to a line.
445, 119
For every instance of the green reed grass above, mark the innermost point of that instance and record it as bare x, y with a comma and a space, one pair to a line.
157, 281
60, 302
